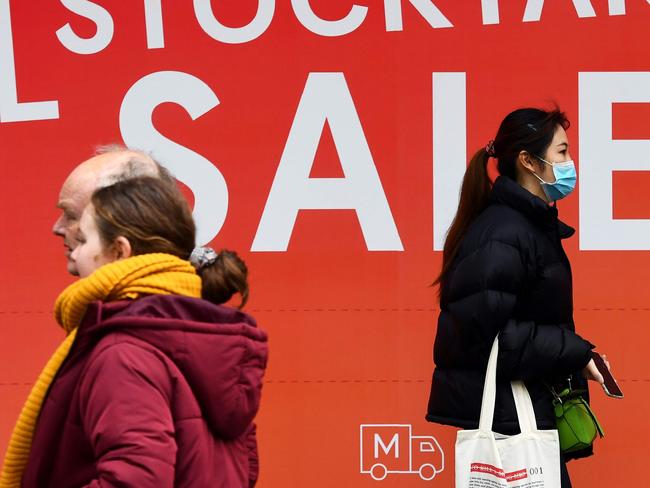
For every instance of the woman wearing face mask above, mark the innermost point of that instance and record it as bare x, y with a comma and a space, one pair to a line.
505, 271
154, 386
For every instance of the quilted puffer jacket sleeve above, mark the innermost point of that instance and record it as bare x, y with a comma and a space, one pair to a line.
529, 350
125, 412
483, 295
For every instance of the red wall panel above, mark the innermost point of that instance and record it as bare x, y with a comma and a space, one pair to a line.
351, 330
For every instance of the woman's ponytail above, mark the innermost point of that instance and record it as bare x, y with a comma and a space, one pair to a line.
224, 277
474, 195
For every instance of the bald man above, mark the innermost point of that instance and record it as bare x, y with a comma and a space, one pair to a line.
108, 165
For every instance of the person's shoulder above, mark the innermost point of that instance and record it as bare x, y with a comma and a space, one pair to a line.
123, 371
121, 351
502, 223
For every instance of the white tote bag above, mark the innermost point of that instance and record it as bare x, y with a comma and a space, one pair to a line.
486, 459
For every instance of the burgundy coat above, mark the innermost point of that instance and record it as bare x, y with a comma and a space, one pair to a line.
159, 392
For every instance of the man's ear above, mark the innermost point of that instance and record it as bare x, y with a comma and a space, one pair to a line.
122, 248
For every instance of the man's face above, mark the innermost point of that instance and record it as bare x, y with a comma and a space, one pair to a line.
75, 195
79, 187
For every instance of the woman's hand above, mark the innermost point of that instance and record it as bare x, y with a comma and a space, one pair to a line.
591, 372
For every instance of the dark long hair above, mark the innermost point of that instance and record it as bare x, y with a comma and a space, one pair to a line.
155, 217
525, 129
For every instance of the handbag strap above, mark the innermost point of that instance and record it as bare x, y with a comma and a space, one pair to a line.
523, 403
524, 406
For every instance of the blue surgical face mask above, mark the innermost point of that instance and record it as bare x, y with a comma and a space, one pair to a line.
565, 180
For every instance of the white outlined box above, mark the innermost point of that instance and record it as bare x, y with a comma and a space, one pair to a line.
393, 449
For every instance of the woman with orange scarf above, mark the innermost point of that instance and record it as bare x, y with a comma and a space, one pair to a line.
156, 383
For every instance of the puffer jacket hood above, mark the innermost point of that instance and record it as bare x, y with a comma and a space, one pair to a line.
219, 350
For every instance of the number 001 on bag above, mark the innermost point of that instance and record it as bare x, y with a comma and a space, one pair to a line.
486, 459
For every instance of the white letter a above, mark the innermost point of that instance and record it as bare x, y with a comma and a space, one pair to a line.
326, 98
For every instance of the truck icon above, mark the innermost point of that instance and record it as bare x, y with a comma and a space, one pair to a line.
393, 449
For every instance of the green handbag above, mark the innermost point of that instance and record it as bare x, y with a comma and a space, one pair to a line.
576, 423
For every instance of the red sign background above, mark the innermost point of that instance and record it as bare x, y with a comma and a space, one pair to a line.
351, 330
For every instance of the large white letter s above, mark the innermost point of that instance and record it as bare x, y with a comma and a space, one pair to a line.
200, 175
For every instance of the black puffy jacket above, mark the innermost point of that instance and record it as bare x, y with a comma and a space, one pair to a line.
510, 276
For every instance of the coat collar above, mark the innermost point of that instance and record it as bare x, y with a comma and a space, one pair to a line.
508, 192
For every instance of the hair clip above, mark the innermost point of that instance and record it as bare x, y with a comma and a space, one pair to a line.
203, 256
489, 149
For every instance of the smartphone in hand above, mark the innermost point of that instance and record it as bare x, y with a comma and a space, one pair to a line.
610, 386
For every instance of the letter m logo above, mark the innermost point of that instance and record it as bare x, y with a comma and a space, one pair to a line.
393, 444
